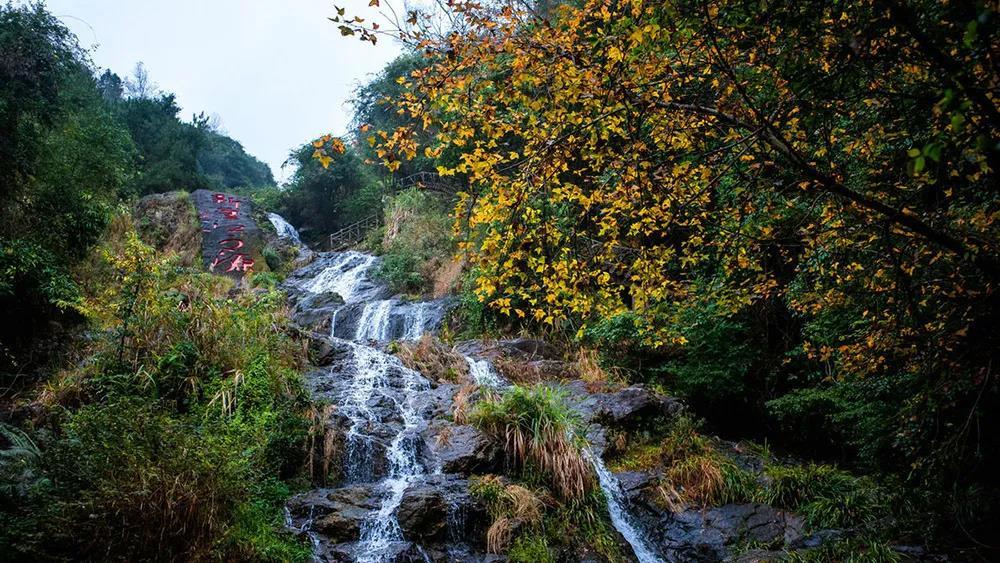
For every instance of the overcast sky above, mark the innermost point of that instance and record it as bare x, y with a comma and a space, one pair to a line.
277, 72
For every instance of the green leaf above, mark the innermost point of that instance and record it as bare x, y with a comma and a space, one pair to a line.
913, 153
933, 151
957, 122
971, 32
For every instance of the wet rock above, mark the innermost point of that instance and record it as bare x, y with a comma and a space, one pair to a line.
628, 407
336, 514
351, 506
314, 310
423, 514
518, 348
438, 510
325, 352
706, 535
466, 450
395, 552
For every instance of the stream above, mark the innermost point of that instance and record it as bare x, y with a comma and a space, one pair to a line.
379, 398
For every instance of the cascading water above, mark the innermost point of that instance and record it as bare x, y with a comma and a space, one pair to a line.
379, 398
484, 374
284, 228
374, 322
383, 528
379, 401
620, 518
346, 274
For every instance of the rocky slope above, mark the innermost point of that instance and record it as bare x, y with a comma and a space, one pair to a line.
392, 468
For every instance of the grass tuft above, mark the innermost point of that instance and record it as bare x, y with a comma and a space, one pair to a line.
540, 429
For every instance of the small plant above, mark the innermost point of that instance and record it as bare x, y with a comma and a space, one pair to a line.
540, 429
432, 359
531, 549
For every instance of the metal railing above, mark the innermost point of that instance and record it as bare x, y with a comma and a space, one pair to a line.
353, 233
356, 232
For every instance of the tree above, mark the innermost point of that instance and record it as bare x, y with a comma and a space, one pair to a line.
63, 164
140, 85
654, 161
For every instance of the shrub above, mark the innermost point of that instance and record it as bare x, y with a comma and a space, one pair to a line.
192, 410
417, 236
541, 430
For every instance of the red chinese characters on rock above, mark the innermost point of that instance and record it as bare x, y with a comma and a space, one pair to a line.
230, 257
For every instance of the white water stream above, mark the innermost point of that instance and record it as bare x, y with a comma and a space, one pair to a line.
621, 518
373, 382
284, 228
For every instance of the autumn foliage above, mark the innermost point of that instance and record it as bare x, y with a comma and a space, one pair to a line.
829, 166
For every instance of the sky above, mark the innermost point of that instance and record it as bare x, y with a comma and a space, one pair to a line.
276, 72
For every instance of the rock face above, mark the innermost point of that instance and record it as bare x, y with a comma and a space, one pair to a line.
231, 240
465, 450
337, 514
439, 510
707, 535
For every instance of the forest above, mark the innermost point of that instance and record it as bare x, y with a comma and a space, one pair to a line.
778, 223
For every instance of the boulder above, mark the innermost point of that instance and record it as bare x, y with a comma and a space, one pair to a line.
335, 514
438, 510
466, 450
423, 514
324, 351
707, 534
628, 407
314, 310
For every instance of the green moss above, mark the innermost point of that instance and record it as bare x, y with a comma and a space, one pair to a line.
530, 549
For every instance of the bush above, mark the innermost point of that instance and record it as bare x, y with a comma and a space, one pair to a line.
541, 432
417, 237
171, 440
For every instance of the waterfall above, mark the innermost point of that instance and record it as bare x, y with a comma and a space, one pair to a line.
620, 518
484, 374
345, 275
374, 322
380, 530
284, 228
370, 373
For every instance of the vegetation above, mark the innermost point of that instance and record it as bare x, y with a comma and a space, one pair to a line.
786, 213
150, 411
529, 525
63, 163
541, 433
416, 242
178, 365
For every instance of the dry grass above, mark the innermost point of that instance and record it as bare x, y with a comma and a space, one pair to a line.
588, 368
433, 359
499, 535
462, 404
539, 429
511, 506
322, 444
698, 479
443, 437
446, 277
525, 504
519, 372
